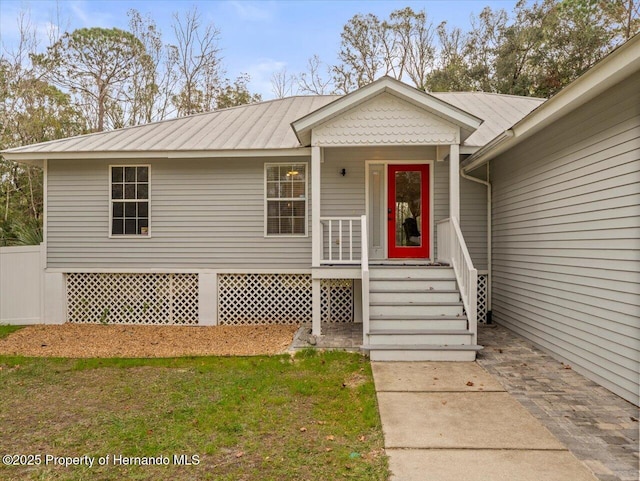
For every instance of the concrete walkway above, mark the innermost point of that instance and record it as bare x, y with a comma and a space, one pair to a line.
454, 421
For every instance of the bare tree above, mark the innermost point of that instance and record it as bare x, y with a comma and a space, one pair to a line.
283, 84
362, 52
415, 44
312, 82
154, 83
197, 61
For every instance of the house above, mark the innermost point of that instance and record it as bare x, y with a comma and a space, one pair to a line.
332, 208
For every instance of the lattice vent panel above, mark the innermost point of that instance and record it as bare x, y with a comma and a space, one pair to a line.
337, 300
155, 299
483, 297
248, 299
264, 299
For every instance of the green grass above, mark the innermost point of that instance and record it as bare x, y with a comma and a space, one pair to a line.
310, 417
6, 330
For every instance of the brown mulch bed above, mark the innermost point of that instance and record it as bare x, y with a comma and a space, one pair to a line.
90, 340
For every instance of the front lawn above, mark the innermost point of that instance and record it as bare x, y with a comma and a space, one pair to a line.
310, 417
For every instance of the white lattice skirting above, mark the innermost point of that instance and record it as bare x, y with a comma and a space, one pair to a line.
483, 294
159, 299
245, 299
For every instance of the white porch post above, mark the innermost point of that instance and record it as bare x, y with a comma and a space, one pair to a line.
454, 181
316, 300
316, 240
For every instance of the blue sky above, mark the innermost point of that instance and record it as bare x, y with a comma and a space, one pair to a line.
257, 37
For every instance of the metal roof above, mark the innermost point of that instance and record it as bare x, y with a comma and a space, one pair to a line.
498, 111
263, 126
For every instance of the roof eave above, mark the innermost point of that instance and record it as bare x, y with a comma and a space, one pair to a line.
618, 65
31, 157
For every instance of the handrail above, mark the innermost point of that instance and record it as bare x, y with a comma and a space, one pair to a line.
343, 256
452, 248
364, 263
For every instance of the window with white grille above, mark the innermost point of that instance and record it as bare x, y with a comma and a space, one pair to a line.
129, 209
286, 199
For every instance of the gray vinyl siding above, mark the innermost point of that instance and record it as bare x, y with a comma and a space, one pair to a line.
205, 213
566, 230
209, 213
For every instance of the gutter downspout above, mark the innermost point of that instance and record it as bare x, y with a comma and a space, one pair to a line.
486, 183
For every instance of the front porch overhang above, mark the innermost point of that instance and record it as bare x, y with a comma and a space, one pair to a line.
347, 228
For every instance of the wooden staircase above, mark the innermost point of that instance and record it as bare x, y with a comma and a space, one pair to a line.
416, 314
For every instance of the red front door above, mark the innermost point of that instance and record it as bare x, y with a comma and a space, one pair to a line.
408, 211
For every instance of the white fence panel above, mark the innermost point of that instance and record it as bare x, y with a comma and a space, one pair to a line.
20, 284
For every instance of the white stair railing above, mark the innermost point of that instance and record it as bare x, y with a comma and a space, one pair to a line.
452, 249
364, 263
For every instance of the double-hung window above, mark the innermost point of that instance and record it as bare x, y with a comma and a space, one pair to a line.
129, 200
286, 199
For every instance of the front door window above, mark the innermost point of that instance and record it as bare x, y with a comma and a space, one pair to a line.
408, 211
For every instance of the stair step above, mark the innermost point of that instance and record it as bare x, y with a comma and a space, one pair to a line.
402, 265
403, 309
394, 285
395, 303
394, 317
388, 332
413, 297
409, 337
421, 352
437, 322
412, 272
423, 347
416, 291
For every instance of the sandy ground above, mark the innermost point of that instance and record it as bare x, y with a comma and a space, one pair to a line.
88, 340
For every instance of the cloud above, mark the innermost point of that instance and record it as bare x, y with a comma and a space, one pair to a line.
253, 11
261, 73
90, 14
78, 9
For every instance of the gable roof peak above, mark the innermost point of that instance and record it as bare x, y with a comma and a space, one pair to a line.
467, 122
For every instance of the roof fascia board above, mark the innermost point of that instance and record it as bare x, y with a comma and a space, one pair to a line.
304, 125
614, 68
468, 149
29, 157
35, 162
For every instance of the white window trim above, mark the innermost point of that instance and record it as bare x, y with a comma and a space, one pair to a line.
306, 200
129, 236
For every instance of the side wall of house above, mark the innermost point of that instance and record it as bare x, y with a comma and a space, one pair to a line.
566, 224
205, 213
